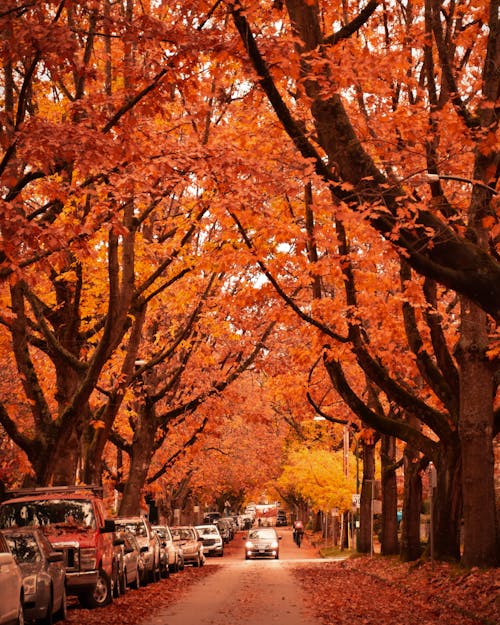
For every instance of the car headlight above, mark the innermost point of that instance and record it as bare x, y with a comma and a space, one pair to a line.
249, 544
29, 585
274, 544
88, 559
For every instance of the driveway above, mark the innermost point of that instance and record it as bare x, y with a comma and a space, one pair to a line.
245, 592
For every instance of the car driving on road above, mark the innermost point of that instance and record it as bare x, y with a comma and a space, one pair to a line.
262, 542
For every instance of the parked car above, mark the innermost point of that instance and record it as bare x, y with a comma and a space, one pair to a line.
211, 517
164, 554
281, 519
147, 538
225, 529
262, 542
233, 525
43, 571
11, 587
131, 565
174, 550
213, 545
73, 519
191, 543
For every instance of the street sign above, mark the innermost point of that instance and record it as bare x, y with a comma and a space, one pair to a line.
356, 500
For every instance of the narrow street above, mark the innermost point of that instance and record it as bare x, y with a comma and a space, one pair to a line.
303, 589
245, 592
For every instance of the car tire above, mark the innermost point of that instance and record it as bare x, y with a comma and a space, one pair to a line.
20, 613
123, 582
136, 583
116, 583
48, 618
155, 573
62, 613
100, 596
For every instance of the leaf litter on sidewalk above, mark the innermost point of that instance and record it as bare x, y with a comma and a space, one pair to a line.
385, 591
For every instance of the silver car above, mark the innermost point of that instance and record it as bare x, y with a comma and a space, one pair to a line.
173, 549
262, 542
11, 587
148, 542
43, 571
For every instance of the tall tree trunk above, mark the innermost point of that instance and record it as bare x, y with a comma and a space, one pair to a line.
140, 460
390, 543
365, 512
411, 548
476, 440
447, 502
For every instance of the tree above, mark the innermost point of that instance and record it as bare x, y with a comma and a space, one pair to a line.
438, 241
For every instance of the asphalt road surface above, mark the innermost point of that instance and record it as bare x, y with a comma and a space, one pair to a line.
246, 592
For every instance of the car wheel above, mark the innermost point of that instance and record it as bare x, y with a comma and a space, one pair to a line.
123, 582
154, 574
116, 583
62, 613
165, 573
48, 618
20, 613
136, 583
100, 595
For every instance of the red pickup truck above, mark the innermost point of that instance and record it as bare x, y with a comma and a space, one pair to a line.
73, 519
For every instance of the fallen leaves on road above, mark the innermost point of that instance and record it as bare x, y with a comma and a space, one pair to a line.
136, 606
385, 591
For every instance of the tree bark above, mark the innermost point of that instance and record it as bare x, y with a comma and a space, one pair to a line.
141, 452
365, 511
447, 502
390, 543
411, 548
476, 438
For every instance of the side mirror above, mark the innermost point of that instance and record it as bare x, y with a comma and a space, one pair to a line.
109, 526
55, 556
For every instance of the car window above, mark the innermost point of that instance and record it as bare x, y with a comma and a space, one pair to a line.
183, 533
134, 527
261, 533
24, 548
63, 512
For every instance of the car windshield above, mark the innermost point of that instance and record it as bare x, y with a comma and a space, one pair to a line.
24, 548
183, 533
163, 532
135, 527
208, 530
261, 533
63, 512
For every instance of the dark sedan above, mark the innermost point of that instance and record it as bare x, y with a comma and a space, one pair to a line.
43, 571
262, 542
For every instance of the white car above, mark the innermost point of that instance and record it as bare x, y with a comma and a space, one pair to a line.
11, 587
213, 545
